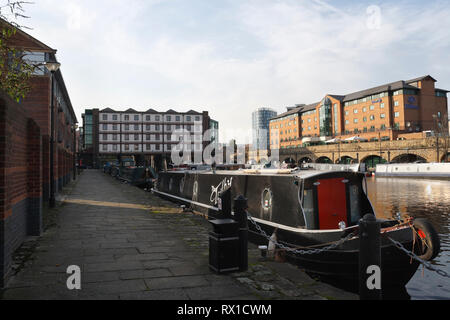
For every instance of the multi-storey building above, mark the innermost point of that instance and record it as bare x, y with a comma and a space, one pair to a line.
109, 134
260, 125
402, 109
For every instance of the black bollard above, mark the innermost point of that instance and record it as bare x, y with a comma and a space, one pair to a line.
240, 215
225, 204
369, 258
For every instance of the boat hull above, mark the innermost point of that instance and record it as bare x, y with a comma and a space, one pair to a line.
339, 266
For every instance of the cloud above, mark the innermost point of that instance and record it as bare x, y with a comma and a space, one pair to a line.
248, 54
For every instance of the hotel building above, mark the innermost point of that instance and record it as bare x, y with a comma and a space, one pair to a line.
110, 134
398, 110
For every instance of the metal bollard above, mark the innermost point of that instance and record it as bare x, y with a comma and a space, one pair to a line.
369, 258
225, 204
240, 215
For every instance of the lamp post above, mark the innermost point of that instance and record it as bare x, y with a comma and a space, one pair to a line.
436, 133
75, 127
52, 66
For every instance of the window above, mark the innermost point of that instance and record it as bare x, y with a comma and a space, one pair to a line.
347, 122
382, 106
127, 127
157, 118
105, 137
115, 148
365, 109
147, 127
188, 118
127, 118
114, 117
397, 115
105, 147
115, 137
105, 117
197, 118
114, 126
157, 147
355, 120
136, 127
148, 147
127, 137
177, 118
169, 127
346, 113
169, 147
396, 103
355, 111
136, 137
372, 117
365, 119
147, 137
136, 147
372, 108
157, 127
383, 116
136, 118
383, 127
157, 136
147, 118
168, 118
105, 127
127, 147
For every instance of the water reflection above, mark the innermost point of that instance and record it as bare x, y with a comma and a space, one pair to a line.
421, 199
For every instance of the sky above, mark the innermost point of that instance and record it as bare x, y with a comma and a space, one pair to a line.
230, 57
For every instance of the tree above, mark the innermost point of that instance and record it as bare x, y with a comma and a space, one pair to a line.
15, 70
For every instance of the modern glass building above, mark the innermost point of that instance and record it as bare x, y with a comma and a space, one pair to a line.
261, 133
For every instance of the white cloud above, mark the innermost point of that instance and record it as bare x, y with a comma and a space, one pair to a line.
118, 54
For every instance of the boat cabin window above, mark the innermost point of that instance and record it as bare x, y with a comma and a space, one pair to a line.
355, 204
308, 209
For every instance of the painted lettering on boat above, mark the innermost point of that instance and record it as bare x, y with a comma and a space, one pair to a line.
215, 191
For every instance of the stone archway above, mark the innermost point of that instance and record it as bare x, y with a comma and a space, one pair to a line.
305, 160
324, 160
408, 158
345, 160
373, 160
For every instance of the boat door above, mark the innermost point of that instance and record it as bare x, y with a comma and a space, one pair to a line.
332, 203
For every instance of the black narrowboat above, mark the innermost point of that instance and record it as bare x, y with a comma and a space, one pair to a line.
308, 209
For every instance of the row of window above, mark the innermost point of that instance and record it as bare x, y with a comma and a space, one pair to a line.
147, 147
157, 118
148, 137
137, 127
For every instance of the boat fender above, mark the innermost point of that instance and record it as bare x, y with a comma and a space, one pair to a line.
271, 246
428, 239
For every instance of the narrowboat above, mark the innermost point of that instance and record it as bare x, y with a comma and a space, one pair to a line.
308, 209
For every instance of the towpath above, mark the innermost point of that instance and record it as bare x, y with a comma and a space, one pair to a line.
130, 244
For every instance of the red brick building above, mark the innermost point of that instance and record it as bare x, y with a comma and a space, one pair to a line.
25, 137
398, 110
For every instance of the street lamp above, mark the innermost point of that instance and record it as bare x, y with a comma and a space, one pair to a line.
52, 66
75, 127
436, 133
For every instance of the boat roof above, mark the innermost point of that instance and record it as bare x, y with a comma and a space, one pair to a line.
302, 174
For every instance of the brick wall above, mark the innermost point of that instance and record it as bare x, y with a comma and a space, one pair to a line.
20, 180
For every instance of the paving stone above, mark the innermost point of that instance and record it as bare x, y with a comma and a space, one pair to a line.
139, 254
176, 282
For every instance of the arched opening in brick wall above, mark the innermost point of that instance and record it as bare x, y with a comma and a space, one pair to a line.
324, 160
346, 160
372, 161
305, 160
408, 158
446, 158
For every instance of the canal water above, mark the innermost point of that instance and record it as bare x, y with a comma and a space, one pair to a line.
421, 199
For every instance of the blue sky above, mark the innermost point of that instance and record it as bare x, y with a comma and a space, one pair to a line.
231, 57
